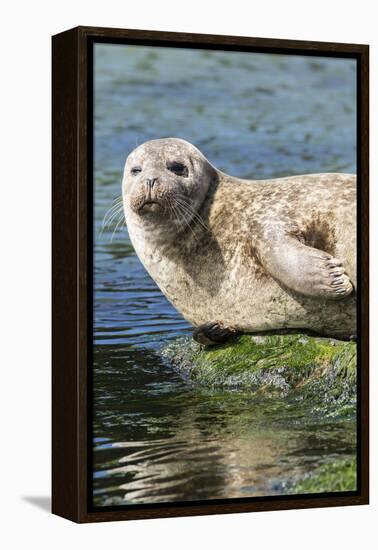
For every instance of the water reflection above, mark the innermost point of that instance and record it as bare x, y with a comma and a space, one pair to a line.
172, 442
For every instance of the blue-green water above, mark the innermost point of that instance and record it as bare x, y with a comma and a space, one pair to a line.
253, 115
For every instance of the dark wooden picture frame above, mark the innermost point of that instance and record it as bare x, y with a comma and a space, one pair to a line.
72, 134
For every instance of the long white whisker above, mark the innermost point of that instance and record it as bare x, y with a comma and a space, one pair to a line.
113, 207
116, 205
177, 214
196, 218
118, 200
190, 210
171, 208
110, 218
116, 227
108, 224
179, 207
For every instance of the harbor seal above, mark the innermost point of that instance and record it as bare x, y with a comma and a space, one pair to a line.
243, 256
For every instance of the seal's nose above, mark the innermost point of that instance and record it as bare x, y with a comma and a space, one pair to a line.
150, 182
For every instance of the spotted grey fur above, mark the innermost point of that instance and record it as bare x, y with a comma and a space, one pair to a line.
251, 255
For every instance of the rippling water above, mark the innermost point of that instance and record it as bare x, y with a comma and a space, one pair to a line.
157, 438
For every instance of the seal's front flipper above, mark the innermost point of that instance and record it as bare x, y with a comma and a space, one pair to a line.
308, 271
214, 332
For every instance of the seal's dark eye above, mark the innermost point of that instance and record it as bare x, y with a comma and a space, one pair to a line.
135, 170
178, 168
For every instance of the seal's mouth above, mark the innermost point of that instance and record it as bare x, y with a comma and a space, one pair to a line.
149, 206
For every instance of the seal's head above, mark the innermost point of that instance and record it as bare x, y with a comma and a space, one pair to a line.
165, 182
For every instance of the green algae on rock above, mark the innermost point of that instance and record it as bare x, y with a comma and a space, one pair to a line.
332, 477
322, 368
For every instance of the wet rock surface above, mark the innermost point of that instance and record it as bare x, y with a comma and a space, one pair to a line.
295, 365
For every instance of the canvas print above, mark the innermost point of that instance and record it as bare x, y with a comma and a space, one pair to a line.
224, 275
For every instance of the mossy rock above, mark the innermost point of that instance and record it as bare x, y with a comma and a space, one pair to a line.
333, 477
297, 364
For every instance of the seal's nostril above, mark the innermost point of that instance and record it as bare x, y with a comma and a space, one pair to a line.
151, 182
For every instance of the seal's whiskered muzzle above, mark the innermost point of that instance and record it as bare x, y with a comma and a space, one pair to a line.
150, 182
